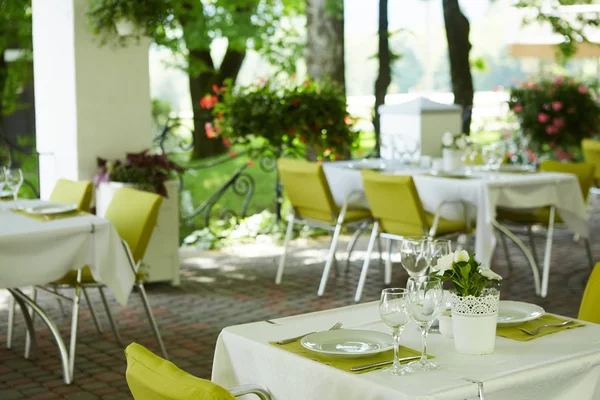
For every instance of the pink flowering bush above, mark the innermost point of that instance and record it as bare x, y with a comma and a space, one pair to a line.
556, 113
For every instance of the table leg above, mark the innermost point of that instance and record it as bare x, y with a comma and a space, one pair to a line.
64, 355
525, 250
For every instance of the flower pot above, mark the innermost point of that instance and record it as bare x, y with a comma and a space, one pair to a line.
125, 27
445, 325
474, 322
452, 159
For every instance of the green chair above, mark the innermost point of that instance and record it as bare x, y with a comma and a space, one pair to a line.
307, 189
133, 213
591, 154
71, 192
589, 310
150, 377
547, 217
398, 212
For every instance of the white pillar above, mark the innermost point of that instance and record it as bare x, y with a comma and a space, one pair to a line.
90, 101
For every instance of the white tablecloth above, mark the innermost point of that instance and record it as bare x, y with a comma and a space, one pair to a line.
564, 365
485, 192
36, 252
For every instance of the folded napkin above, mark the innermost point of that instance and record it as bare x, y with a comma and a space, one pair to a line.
50, 217
346, 363
513, 332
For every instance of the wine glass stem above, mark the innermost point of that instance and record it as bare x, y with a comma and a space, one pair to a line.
396, 336
16, 198
424, 331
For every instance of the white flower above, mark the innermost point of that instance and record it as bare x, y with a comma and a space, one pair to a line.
447, 139
461, 143
462, 255
488, 273
444, 264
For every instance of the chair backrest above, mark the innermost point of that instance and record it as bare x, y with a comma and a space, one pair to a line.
395, 202
73, 192
583, 171
591, 153
134, 213
150, 377
306, 186
589, 310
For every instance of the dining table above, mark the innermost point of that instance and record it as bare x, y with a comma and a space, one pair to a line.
560, 365
475, 194
38, 248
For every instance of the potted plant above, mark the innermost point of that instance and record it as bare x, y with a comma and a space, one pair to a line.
125, 18
453, 147
475, 298
555, 114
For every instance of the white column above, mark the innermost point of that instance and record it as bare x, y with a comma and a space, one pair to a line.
90, 101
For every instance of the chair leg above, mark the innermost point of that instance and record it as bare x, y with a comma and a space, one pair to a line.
365, 268
532, 244
151, 319
288, 236
330, 258
388, 262
380, 250
111, 320
74, 322
588, 250
11, 322
352, 244
60, 304
28, 335
92, 311
506, 253
548, 254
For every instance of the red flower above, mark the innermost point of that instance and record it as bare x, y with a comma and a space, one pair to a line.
563, 155
226, 142
558, 122
531, 156
232, 154
551, 130
293, 77
215, 88
518, 108
531, 85
557, 105
583, 89
250, 163
507, 135
348, 120
510, 154
559, 80
219, 115
210, 130
208, 101
262, 81
543, 118
327, 151
319, 162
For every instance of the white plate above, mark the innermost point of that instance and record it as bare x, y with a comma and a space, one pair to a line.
50, 209
351, 343
516, 312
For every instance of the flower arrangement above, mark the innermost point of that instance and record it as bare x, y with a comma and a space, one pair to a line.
455, 141
308, 114
149, 171
556, 113
467, 275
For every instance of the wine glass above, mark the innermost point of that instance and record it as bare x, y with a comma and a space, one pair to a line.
14, 180
413, 255
394, 314
425, 299
437, 249
489, 156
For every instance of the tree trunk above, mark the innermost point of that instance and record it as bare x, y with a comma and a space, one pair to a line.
385, 75
201, 85
325, 40
457, 34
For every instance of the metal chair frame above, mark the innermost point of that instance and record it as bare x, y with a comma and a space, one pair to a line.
243, 390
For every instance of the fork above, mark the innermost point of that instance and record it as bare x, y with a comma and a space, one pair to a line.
337, 326
537, 330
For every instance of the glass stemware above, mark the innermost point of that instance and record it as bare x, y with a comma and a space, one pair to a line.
437, 249
425, 298
394, 314
14, 180
413, 255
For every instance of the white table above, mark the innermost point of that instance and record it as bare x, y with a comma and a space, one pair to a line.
485, 191
564, 365
34, 252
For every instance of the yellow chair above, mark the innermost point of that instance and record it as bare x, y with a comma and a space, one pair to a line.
133, 213
152, 378
589, 309
307, 189
398, 212
591, 155
547, 217
71, 192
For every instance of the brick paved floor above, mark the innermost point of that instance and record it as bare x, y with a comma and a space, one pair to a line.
235, 286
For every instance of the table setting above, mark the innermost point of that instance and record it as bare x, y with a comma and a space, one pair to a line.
446, 335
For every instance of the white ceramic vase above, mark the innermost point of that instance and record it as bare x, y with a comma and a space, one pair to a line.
474, 322
452, 159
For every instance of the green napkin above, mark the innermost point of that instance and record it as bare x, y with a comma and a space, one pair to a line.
346, 363
50, 217
513, 332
